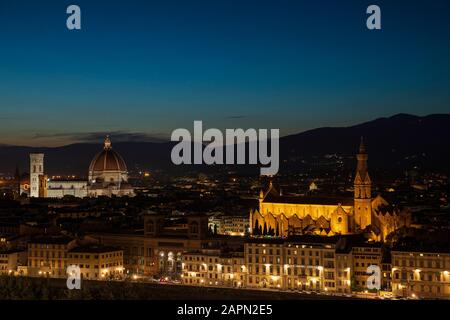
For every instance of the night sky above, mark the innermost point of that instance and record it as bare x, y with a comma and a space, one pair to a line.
140, 69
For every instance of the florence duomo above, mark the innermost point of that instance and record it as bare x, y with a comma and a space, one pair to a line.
328, 216
108, 176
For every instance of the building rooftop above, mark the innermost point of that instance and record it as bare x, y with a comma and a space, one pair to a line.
425, 248
300, 239
9, 251
94, 249
270, 198
52, 240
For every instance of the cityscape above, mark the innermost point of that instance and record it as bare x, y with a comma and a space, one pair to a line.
231, 230
104, 195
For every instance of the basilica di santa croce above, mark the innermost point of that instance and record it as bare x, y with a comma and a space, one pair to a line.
281, 215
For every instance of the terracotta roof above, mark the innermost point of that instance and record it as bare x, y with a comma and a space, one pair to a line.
94, 249
309, 200
108, 160
52, 240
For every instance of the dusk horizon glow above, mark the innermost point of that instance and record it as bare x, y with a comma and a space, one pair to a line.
145, 69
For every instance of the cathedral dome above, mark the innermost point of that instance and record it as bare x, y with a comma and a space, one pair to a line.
108, 160
108, 168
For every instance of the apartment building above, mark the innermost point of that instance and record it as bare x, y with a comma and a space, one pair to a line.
235, 225
298, 263
229, 225
97, 262
364, 256
344, 264
306, 263
47, 255
158, 249
132, 245
421, 274
11, 260
211, 267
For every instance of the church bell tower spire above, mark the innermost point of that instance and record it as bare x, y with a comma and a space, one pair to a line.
362, 189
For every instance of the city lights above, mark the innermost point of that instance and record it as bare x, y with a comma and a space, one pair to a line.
314, 166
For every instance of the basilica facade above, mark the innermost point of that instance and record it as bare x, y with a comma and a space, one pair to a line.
280, 215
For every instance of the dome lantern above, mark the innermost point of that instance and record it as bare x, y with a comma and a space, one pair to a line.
108, 166
107, 143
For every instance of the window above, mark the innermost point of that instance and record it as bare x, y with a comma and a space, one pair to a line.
194, 227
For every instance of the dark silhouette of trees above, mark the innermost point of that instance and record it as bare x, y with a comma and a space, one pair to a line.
256, 229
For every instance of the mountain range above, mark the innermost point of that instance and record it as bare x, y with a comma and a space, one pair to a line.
402, 141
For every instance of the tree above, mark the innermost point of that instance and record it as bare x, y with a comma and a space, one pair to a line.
265, 229
256, 229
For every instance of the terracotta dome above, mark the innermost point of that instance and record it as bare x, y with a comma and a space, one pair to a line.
107, 160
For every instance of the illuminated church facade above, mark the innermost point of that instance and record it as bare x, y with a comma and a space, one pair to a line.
280, 215
108, 176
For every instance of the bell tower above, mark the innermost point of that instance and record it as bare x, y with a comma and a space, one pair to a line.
362, 187
36, 170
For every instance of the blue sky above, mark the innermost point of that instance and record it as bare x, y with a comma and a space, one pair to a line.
140, 69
